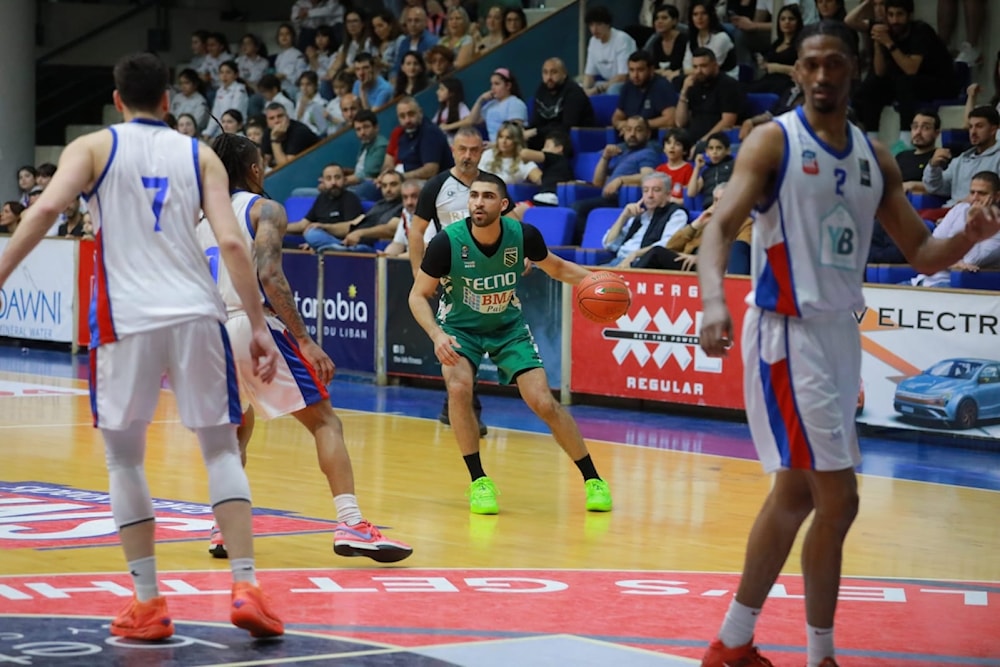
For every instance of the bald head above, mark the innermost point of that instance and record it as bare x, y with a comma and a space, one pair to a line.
349, 107
415, 22
553, 73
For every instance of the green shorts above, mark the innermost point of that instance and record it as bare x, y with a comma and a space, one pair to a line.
512, 349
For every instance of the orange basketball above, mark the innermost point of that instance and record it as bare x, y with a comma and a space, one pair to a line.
603, 297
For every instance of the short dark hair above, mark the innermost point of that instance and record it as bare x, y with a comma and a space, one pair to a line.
680, 136
672, 11
46, 169
641, 56
276, 106
598, 14
487, 177
721, 137
704, 52
987, 112
905, 5
990, 177
930, 113
364, 57
366, 116
560, 138
141, 80
829, 28
269, 81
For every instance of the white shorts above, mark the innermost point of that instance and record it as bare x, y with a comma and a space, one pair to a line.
801, 380
295, 385
126, 375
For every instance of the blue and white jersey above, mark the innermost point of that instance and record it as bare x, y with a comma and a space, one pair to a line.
242, 201
811, 240
150, 271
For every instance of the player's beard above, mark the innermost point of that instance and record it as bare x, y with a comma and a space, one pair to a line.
483, 221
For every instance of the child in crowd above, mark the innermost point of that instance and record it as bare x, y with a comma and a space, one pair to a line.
717, 171
451, 108
342, 85
310, 109
555, 167
676, 145
270, 89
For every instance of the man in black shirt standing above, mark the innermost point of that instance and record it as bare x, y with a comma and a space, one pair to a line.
910, 64
924, 131
709, 100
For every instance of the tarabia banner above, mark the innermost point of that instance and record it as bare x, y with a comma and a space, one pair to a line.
652, 352
349, 310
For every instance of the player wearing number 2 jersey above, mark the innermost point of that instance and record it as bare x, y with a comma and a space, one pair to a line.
155, 312
304, 369
818, 185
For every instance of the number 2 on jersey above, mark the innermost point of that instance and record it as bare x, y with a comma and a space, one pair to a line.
161, 184
841, 177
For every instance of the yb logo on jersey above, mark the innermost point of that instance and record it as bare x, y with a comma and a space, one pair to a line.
36, 515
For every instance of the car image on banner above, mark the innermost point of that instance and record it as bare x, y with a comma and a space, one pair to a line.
960, 392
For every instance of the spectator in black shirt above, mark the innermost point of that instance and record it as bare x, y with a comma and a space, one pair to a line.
75, 224
709, 101
668, 44
645, 94
560, 103
910, 65
335, 210
284, 138
553, 160
379, 222
924, 131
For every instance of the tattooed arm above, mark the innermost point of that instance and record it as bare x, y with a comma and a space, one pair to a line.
270, 221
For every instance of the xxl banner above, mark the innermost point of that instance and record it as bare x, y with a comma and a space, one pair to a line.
349, 310
652, 351
36, 302
931, 360
409, 350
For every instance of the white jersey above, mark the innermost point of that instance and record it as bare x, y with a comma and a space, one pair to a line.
150, 271
242, 201
811, 240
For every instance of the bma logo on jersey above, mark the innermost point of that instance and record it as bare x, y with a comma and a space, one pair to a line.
37, 515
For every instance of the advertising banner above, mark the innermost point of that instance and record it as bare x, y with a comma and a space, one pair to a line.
410, 351
652, 352
931, 360
349, 310
302, 271
84, 290
36, 303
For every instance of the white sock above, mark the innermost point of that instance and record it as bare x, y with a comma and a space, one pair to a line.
243, 569
737, 628
820, 644
347, 509
143, 573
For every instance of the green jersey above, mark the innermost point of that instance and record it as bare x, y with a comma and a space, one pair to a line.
480, 291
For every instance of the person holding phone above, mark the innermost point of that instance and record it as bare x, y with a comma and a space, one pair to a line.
645, 224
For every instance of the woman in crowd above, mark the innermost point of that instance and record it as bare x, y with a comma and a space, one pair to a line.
190, 99
779, 61
232, 94
187, 126
412, 75
232, 121
252, 61
501, 102
289, 63
495, 32
26, 179
10, 215
357, 39
320, 55
457, 38
504, 158
451, 104
385, 32
668, 43
310, 108
705, 30
514, 20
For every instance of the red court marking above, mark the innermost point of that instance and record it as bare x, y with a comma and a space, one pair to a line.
394, 605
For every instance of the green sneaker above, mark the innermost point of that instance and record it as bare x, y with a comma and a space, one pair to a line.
598, 495
483, 496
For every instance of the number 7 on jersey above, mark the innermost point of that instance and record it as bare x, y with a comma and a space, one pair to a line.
161, 184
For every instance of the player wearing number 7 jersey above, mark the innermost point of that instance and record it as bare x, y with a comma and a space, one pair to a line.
304, 369
156, 311
817, 185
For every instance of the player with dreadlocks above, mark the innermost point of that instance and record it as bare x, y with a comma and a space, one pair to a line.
299, 389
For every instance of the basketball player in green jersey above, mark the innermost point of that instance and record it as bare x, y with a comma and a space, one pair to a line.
478, 262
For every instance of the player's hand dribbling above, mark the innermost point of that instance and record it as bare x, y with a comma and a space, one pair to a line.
264, 354
319, 360
716, 332
444, 349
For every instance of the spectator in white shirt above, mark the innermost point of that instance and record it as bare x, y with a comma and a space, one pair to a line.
289, 63
232, 94
232, 122
320, 56
607, 54
198, 39
217, 52
270, 89
308, 15
252, 60
190, 99
187, 125
310, 108
504, 158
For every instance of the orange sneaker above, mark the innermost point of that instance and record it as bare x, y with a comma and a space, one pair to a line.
147, 620
251, 612
720, 655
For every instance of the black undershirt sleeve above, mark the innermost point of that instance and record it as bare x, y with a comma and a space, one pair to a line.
437, 258
534, 245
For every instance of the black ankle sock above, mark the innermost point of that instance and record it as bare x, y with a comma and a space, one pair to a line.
475, 466
586, 466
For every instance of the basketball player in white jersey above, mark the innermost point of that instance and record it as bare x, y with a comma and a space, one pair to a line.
156, 310
817, 185
304, 369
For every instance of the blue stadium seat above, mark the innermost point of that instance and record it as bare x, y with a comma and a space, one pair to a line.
305, 192
584, 165
893, 274
696, 203
758, 103
604, 108
519, 192
591, 251
590, 139
297, 207
986, 280
530, 104
570, 193
554, 222
366, 205
628, 194
925, 201
871, 273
